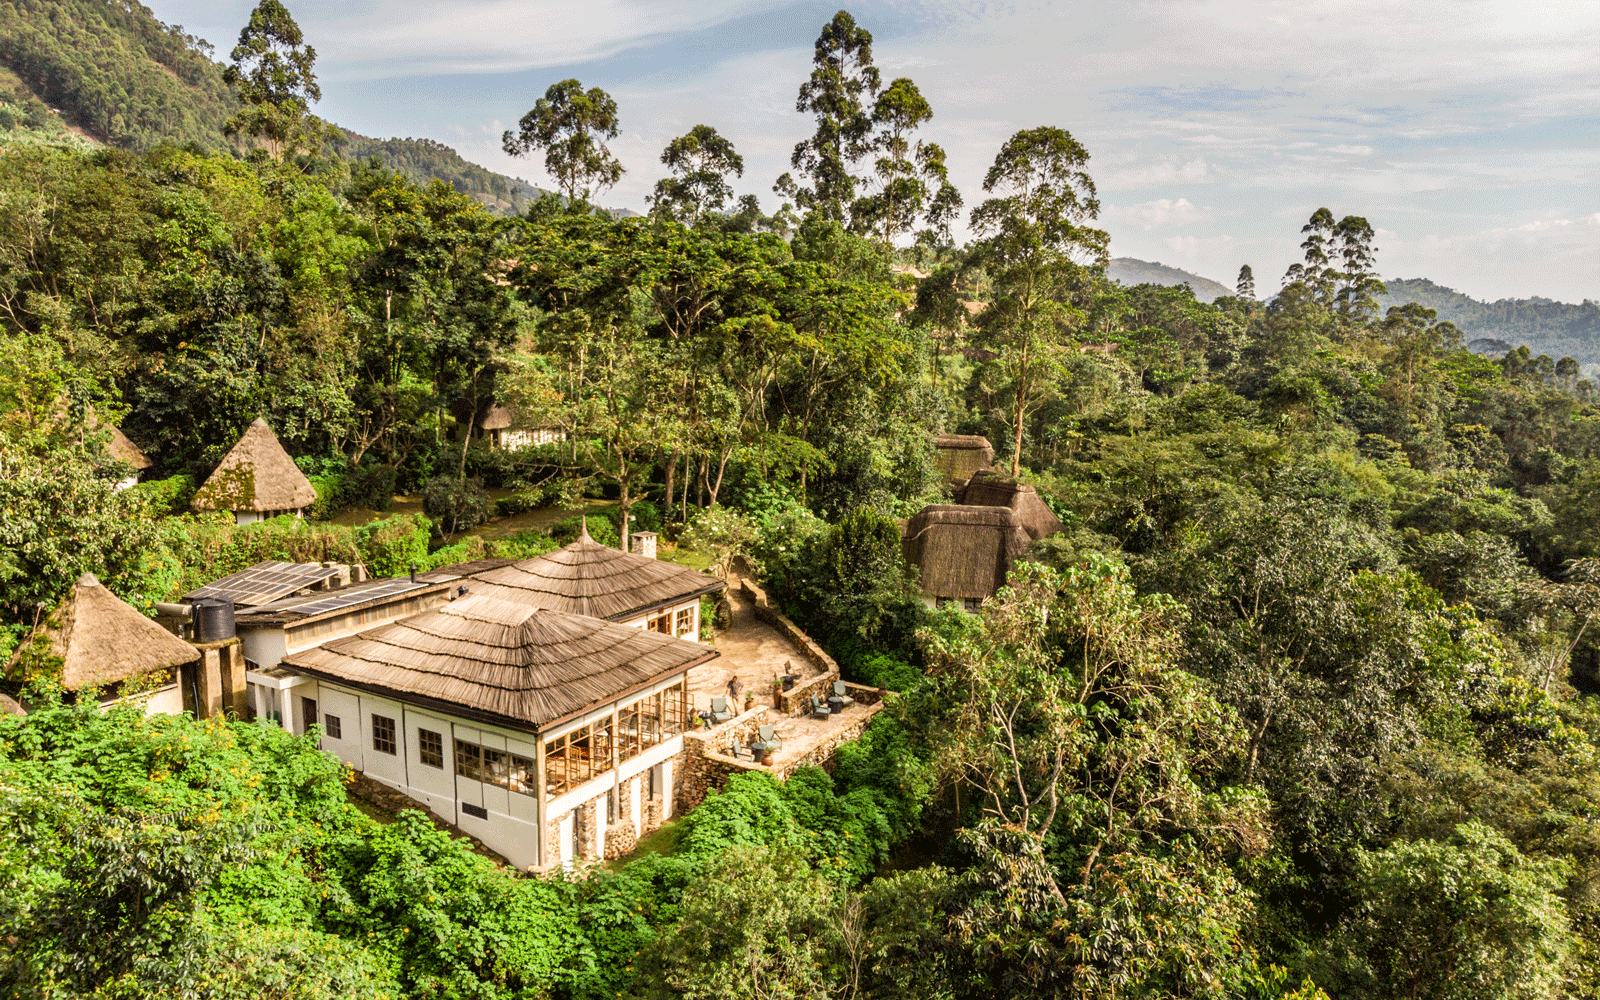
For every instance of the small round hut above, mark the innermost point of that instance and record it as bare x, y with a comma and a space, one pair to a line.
256, 480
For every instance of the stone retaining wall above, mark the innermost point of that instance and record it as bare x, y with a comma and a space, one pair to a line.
821, 755
796, 700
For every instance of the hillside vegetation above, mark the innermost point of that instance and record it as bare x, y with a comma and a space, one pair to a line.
1303, 702
1545, 326
116, 73
1130, 271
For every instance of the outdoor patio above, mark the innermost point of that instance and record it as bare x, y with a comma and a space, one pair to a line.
751, 650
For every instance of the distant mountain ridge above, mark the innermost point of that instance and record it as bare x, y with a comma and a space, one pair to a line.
1130, 271
1559, 329
113, 72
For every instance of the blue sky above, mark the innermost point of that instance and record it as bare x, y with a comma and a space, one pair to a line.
1467, 133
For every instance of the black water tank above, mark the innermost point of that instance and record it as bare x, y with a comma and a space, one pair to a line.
213, 620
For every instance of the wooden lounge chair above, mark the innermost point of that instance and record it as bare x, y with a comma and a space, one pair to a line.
819, 708
719, 710
841, 692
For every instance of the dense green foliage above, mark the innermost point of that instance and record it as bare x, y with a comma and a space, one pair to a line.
1302, 699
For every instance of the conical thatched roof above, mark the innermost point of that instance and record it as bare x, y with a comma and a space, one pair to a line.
587, 578
988, 489
120, 447
517, 664
257, 474
102, 640
963, 551
960, 455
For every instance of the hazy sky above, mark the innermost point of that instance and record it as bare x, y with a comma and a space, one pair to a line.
1468, 134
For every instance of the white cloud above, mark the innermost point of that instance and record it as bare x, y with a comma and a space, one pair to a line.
1158, 213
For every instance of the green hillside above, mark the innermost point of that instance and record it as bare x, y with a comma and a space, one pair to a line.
1128, 271
1559, 329
112, 72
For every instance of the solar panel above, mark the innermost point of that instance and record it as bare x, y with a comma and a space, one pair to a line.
264, 582
323, 602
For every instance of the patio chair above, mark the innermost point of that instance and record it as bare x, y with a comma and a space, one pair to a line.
840, 692
767, 739
719, 710
818, 708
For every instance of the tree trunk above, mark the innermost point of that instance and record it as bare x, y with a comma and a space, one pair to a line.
683, 518
672, 466
624, 504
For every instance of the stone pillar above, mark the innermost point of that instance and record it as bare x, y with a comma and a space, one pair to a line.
219, 675
644, 544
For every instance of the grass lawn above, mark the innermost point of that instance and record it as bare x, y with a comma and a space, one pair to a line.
664, 841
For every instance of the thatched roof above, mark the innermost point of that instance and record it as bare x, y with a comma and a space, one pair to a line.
960, 455
963, 551
496, 417
257, 474
989, 489
512, 664
121, 448
587, 578
102, 640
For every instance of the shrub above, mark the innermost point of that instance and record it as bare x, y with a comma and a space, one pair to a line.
601, 528
455, 504
469, 548
391, 545
887, 671
522, 545
330, 489
167, 496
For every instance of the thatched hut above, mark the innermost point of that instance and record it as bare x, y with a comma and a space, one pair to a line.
256, 480
963, 553
990, 489
587, 578
546, 735
500, 426
125, 451
102, 642
961, 455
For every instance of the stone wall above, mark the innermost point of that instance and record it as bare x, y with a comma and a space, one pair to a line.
706, 762
821, 755
796, 700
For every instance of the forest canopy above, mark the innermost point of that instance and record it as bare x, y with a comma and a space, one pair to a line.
1300, 703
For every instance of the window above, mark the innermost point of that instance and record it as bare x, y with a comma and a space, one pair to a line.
972, 604
587, 752
524, 776
430, 748
383, 734
685, 625
496, 770
660, 623
611, 807
330, 725
308, 711
469, 760
493, 767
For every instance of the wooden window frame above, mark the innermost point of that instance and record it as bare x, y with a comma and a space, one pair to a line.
382, 724
430, 748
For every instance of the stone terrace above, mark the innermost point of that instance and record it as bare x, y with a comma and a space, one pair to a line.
760, 643
753, 651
